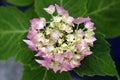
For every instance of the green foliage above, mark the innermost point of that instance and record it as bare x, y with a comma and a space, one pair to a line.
30, 13
43, 74
105, 14
13, 27
20, 2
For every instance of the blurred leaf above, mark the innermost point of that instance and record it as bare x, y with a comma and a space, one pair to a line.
13, 26
13, 29
43, 74
30, 13
20, 2
104, 13
99, 63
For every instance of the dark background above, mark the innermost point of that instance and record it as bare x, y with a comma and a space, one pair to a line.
11, 71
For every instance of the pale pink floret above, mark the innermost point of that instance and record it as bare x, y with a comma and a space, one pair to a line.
43, 49
91, 40
70, 20
30, 44
59, 58
84, 43
87, 53
50, 9
40, 54
82, 57
61, 10
90, 25
38, 23
56, 68
32, 32
65, 67
43, 63
54, 36
81, 20
81, 33
79, 47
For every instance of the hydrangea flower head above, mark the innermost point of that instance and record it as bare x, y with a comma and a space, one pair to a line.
63, 42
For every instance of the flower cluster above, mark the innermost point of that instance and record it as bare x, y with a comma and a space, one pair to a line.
62, 42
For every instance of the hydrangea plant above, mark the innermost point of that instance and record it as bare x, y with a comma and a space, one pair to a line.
57, 41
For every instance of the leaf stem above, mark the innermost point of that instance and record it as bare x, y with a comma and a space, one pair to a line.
77, 26
45, 75
61, 2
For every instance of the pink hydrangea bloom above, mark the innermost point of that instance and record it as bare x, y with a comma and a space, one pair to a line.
81, 20
70, 20
60, 45
61, 10
37, 23
50, 9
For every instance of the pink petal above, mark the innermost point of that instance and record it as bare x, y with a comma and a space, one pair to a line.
68, 66
43, 49
70, 56
89, 24
50, 9
81, 33
65, 67
40, 54
81, 20
59, 58
70, 20
43, 63
84, 43
93, 39
79, 47
38, 23
30, 44
54, 36
76, 63
87, 53
82, 57
60, 10
47, 58
31, 33
55, 69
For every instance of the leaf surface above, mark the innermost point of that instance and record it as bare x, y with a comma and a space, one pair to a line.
43, 74
13, 27
20, 2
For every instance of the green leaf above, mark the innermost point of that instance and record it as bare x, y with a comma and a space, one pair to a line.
13, 27
105, 14
20, 2
30, 13
43, 74
100, 62
26, 57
